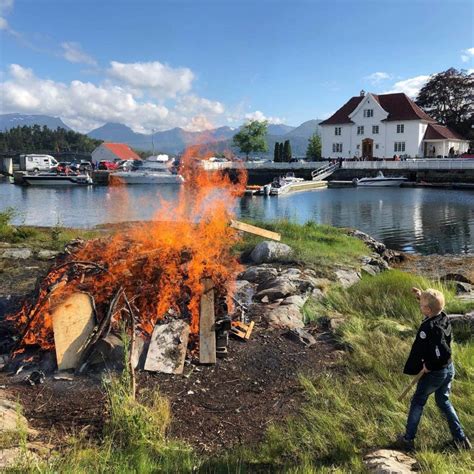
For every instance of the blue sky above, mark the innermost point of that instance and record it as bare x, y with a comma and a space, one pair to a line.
196, 63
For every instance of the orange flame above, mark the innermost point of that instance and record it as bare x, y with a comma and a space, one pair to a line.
159, 264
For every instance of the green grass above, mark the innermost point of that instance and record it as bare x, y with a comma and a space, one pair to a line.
315, 245
355, 408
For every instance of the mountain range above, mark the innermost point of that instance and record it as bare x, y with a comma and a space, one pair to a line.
174, 141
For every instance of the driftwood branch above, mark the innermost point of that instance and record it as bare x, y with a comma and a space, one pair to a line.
82, 263
132, 345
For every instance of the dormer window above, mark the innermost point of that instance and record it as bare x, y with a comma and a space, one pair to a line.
337, 130
368, 113
400, 128
360, 130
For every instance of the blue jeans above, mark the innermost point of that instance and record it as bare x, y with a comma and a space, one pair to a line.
439, 383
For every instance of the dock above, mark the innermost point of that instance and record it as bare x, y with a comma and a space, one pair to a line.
308, 186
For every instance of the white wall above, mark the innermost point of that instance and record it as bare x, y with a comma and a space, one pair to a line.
102, 153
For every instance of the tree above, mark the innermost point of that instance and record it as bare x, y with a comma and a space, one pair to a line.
276, 155
313, 152
251, 137
448, 97
287, 151
280, 152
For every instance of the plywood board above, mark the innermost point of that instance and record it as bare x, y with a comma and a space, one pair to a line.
73, 323
168, 346
251, 229
207, 333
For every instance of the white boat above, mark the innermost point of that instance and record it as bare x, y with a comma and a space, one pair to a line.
284, 184
381, 180
53, 179
148, 177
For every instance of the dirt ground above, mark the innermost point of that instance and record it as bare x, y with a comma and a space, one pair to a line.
213, 407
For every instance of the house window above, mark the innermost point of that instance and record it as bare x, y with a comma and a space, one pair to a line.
400, 128
375, 129
399, 146
337, 131
360, 130
358, 147
376, 146
337, 147
368, 112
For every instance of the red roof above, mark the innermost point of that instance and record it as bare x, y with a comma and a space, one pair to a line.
122, 151
399, 107
435, 131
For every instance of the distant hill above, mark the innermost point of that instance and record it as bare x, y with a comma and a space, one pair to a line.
9, 121
174, 141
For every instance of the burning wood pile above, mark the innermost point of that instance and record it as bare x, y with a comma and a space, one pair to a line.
169, 281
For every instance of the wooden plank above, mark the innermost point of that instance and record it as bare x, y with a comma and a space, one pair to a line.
251, 229
207, 333
168, 346
73, 323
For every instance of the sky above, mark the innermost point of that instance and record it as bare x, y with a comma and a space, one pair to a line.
199, 64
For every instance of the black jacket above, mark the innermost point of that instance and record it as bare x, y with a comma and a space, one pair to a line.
432, 345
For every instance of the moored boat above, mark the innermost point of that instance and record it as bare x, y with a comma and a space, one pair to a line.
381, 180
53, 179
147, 177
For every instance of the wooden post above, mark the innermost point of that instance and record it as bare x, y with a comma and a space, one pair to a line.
207, 333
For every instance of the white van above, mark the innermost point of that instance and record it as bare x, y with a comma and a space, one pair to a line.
37, 162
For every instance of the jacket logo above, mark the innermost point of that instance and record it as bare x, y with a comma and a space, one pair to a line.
422, 334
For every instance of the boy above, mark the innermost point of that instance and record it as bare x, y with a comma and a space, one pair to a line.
431, 353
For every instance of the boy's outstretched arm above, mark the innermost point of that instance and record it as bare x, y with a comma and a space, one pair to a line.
416, 292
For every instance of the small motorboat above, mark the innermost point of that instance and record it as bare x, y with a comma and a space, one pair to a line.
54, 179
147, 177
380, 180
282, 185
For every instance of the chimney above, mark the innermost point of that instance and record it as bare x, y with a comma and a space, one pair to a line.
362, 93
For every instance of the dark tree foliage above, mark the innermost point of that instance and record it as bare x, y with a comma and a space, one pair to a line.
251, 137
280, 151
38, 139
287, 151
276, 154
448, 97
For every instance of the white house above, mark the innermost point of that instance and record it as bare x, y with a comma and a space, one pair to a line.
385, 125
113, 151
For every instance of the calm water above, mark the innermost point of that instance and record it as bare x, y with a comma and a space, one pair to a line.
414, 220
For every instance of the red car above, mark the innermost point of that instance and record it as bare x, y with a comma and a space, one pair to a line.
107, 165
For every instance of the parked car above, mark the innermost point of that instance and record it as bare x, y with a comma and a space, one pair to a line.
81, 166
107, 165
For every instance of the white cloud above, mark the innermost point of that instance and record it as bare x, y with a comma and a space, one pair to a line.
3, 24
410, 86
158, 79
84, 105
74, 54
377, 77
467, 55
6, 5
260, 117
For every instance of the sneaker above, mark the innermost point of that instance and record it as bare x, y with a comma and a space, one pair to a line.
404, 444
463, 444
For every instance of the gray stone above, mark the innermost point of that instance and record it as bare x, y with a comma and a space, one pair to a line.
275, 289
463, 287
298, 300
292, 273
301, 336
388, 461
10, 417
244, 291
373, 244
347, 277
258, 274
284, 317
47, 254
17, 253
370, 270
268, 252
456, 277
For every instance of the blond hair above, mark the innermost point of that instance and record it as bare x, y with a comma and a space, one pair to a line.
434, 300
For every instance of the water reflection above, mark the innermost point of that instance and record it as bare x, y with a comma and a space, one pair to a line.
414, 220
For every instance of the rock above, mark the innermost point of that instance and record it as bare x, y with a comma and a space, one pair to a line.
370, 270
17, 253
244, 291
18, 459
258, 274
10, 417
268, 252
109, 351
47, 254
347, 277
373, 244
298, 300
463, 326
284, 317
275, 289
463, 287
456, 277
388, 461
301, 336
292, 273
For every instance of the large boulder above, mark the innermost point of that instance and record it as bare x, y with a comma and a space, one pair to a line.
284, 317
258, 274
17, 253
347, 277
268, 252
388, 461
373, 244
275, 289
11, 420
